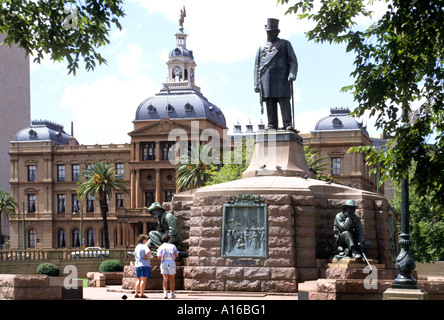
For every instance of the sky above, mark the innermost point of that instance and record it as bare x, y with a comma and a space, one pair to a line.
224, 37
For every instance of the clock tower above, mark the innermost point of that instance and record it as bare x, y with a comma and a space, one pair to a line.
181, 64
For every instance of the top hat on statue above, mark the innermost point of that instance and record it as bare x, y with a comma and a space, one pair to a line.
272, 24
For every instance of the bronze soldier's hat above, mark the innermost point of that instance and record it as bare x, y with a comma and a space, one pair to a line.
272, 24
155, 205
350, 203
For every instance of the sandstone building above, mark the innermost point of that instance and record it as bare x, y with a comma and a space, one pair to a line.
45, 162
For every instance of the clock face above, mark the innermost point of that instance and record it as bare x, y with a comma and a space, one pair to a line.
177, 71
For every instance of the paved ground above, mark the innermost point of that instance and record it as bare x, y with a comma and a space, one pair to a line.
116, 293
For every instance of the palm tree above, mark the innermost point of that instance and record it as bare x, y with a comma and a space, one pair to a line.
102, 179
193, 173
8, 205
318, 166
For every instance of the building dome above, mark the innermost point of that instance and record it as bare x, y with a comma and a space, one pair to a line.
181, 52
43, 130
339, 119
180, 98
181, 104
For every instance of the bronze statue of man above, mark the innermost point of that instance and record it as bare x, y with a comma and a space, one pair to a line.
349, 233
275, 69
167, 224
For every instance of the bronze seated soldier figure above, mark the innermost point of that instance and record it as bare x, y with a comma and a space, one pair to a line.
167, 224
348, 234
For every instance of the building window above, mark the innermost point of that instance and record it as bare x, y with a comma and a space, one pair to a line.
75, 238
169, 195
165, 148
61, 203
90, 203
75, 172
149, 198
31, 173
120, 170
31, 238
90, 237
61, 239
148, 151
119, 200
75, 203
61, 173
335, 166
31, 203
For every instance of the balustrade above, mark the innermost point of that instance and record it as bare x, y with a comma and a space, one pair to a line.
61, 254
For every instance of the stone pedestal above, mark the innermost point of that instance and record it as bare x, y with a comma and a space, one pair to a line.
405, 294
278, 153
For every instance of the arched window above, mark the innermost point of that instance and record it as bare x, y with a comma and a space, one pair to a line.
90, 236
75, 238
31, 238
61, 238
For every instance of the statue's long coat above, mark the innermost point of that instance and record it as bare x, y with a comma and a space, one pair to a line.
274, 62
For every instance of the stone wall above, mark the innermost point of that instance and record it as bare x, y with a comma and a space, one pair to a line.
207, 270
37, 287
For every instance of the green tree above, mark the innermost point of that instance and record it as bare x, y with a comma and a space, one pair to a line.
318, 165
193, 172
426, 225
8, 206
398, 63
63, 29
235, 163
100, 178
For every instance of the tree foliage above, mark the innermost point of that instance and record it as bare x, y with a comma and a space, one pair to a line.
318, 165
237, 160
426, 225
100, 178
398, 65
63, 29
193, 172
8, 205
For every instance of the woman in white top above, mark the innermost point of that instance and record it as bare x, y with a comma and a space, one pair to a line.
167, 252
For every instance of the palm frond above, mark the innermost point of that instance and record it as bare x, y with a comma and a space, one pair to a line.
8, 204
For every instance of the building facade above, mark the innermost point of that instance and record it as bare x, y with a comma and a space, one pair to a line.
332, 137
45, 162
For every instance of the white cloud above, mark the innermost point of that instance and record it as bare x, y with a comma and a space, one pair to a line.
232, 30
226, 31
222, 77
118, 34
131, 62
45, 62
305, 121
103, 110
